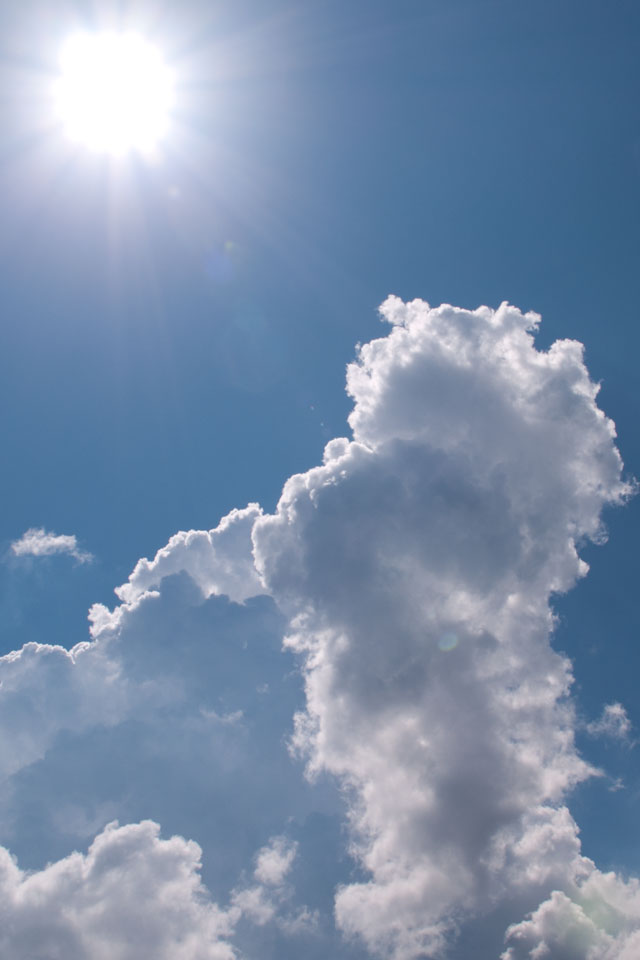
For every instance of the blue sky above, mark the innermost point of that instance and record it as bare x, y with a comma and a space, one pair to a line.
175, 338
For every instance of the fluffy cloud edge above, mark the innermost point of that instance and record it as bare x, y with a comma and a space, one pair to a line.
132, 894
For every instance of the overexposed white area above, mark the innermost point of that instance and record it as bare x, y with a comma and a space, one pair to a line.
114, 93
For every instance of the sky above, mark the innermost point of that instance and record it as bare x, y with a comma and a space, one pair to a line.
318, 573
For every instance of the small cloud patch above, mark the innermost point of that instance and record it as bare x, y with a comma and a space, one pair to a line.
614, 722
38, 542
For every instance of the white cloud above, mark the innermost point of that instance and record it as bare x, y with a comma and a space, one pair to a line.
260, 900
598, 920
417, 565
167, 686
37, 542
274, 862
270, 897
45, 689
416, 568
124, 672
132, 895
158, 717
613, 723
220, 561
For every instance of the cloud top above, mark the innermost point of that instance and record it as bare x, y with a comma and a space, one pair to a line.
219, 561
417, 565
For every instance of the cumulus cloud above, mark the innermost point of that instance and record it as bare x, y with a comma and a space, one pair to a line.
599, 920
412, 575
38, 542
132, 895
220, 561
45, 689
171, 690
176, 711
417, 566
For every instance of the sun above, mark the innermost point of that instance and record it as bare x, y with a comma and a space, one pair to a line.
114, 92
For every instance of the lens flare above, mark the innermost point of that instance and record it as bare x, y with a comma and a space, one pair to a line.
448, 641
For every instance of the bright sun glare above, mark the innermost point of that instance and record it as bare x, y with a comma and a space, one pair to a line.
114, 93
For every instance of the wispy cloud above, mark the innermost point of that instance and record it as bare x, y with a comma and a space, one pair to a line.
38, 542
614, 722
